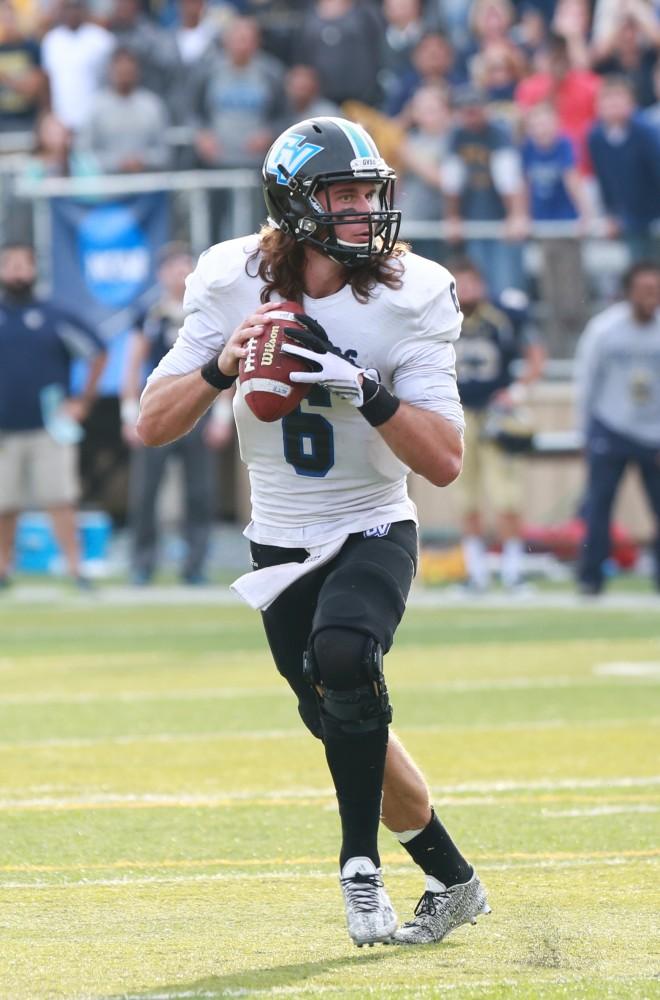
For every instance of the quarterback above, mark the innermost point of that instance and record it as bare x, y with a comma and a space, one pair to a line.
333, 533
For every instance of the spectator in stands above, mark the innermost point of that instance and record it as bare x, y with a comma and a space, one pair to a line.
630, 49
38, 461
491, 481
651, 115
609, 13
279, 22
482, 182
151, 45
497, 72
302, 98
571, 21
343, 40
125, 131
556, 193
404, 28
22, 82
155, 335
530, 32
422, 155
618, 394
240, 98
75, 56
194, 48
433, 64
33, 18
625, 152
571, 91
452, 17
491, 22
54, 154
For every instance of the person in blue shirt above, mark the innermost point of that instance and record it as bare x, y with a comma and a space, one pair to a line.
38, 418
625, 151
556, 194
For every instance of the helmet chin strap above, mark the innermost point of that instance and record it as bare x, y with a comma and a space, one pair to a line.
356, 246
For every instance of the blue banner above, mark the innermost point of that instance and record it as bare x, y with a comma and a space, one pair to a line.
104, 262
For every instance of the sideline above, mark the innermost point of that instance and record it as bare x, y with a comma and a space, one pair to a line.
420, 597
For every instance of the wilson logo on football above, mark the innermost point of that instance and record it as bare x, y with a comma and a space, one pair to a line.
268, 352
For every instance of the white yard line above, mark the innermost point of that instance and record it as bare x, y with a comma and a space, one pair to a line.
598, 811
221, 596
229, 693
264, 876
128, 697
317, 989
223, 799
544, 785
648, 671
314, 988
129, 739
306, 989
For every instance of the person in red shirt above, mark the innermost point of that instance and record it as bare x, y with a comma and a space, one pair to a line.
571, 91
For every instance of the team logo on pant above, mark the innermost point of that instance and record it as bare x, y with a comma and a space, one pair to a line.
378, 532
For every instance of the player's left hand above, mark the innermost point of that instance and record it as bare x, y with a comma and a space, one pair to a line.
331, 370
313, 337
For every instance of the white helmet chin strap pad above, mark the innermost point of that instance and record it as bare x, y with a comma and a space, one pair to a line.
346, 243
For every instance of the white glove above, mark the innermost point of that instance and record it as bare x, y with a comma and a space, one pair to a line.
334, 373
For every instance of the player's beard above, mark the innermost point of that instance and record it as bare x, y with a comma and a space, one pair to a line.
18, 289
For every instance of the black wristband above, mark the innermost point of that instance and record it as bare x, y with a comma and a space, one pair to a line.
212, 374
379, 404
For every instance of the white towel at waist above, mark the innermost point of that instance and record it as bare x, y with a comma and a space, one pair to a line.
261, 587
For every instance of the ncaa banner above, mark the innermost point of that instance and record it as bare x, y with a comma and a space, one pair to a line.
104, 262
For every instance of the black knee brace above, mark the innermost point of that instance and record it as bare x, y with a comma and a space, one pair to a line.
359, 709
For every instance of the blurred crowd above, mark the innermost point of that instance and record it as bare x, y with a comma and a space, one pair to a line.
519, 113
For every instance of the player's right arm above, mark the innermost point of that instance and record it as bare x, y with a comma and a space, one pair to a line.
171, 405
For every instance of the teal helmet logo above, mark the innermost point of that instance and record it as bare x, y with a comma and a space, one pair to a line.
288, 155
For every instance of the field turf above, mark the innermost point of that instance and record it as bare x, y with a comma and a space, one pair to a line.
168, 829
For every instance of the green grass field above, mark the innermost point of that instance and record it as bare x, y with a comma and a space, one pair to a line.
168, 829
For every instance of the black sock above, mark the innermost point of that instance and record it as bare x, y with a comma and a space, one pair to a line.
437, 854
357, 765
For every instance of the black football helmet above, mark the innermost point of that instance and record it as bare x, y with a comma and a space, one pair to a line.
303, 162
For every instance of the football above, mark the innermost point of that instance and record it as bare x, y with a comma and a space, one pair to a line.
264, 371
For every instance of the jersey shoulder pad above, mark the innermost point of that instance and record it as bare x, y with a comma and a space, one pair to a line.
427, 299
224, 263
219, 270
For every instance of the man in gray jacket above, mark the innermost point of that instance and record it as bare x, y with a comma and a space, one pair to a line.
125, 131
618, 395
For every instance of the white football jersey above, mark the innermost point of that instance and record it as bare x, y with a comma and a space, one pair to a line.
323, 470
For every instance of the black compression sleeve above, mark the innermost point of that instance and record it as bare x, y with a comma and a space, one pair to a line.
212, 374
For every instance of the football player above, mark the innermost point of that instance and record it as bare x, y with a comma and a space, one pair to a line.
333, 532
497, 432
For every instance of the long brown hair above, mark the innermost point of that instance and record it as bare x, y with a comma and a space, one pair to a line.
282, 268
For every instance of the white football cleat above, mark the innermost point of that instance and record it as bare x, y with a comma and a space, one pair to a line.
369, 913
442, 910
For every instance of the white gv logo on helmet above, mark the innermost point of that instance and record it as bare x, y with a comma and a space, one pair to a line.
292, 152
